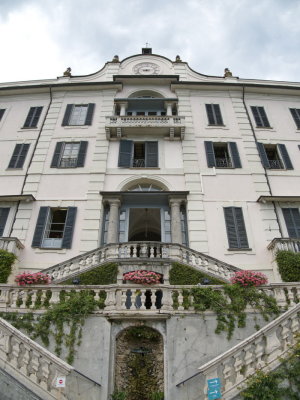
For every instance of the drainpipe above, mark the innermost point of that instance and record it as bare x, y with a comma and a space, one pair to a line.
265, 171
30, 161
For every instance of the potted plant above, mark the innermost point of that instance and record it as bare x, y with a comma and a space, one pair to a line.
32, 278
143, 277
249, 278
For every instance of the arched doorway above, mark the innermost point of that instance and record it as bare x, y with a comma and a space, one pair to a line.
139, 364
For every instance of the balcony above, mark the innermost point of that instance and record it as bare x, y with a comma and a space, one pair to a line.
289, 244
172, 127
11, 244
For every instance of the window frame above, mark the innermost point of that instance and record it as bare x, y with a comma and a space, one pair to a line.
33, 117
260, 117
127, 150
291, 216
296, 116
18, 157
282, 154
59, 152
90, 107
232, 150
236, 229
214, 114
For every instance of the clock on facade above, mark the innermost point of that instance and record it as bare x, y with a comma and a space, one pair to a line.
146, 69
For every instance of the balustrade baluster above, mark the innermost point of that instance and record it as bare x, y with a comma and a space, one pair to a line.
180, 301
259, 351
34, 366
24, 362
4, 297
132, 299
273, 346
134, 252
228, 373
14, 297
44, 373
123, 299
238, 366
153, 299
151, 252
167, 300
143, 299
248, 359
15, 352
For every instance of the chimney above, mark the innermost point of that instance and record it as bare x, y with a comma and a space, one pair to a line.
146, 50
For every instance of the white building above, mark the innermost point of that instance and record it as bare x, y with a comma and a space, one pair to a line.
149, 150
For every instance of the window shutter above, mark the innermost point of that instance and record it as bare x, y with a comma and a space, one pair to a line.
22, 155
69, 228
67, 115
14, 157
210, 114
263, 155
256, 116
29, 117
218, 115
3, 218
235, 155
292, 221
235, 226
56, 155
210, 154
263, 116
40, 227
125, 153
151, 153
81, 154
36, 116
296, 115
285, 156
2, 113
89, 114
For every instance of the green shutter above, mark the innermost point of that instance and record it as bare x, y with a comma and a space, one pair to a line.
57, 155
210, 154
235, 226
210, 114
125, 153
4, 211
69, 228
81, 154
67, 115
40, 227
235, 155
263, 155
89, 114
292, 221
285, 156
296, 115
151, 154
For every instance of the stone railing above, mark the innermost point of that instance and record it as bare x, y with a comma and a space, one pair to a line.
128, 298
11, 244
262, 350
279, 244
140, 251
37, 369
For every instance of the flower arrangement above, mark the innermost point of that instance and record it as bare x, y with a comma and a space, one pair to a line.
32, 278
249, 278
143, 277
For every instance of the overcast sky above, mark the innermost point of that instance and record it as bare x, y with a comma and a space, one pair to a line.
254, 38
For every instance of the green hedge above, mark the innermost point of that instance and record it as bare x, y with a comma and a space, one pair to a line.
103, 275
288, 266
184, 275
6, 261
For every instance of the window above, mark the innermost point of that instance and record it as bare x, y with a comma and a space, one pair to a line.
222, 155
4, 211
214, 114
33, 117
2, 111
77, 115
54, 227
274, 156
19, 155
296, 115
69, 155
235, 226
138, 154
292, 221
260, 117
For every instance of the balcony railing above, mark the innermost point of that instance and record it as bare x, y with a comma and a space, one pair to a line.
275, 164
118, 126
223, 163
11, 244
289, 244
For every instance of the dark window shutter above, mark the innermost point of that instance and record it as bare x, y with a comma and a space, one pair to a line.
22, 155
29, 117
235, 155
3, 218
125, 153
40, 227
210, 114
57, 155
36, 117
218, 115
263, 155
235, 226
81, 154
13, 160
2, 110
210, 154
285, 156
89, 114
151, 153
292, 220
260, 117
295, 113
69, 228
256, 116
67, 115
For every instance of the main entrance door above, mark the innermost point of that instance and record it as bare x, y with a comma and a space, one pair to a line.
144, 224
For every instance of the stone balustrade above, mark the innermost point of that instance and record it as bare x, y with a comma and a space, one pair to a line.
146, 252
37, 368
11, 244
262, 350
127, 298
279, 244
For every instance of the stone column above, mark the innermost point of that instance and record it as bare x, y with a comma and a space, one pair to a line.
123, 107
176, 233
113, 222
169, 108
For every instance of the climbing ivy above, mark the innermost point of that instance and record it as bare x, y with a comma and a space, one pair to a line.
103, 275
183, 275
142, 332
229, 304
63, 321
281, 384
6, 261
288, 265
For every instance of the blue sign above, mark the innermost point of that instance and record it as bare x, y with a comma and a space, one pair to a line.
214, 389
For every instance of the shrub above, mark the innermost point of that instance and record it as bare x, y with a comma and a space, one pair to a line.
288, 265
6, 261
183, 275
103, 275
249, 278
29, 278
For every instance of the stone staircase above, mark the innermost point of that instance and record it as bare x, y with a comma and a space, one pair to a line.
153, 253
37, 369
262, 350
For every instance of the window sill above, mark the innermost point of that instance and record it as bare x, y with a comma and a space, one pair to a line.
239, 249
139, 168
29, 127
50, 250
76, 126
217, 127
